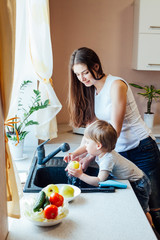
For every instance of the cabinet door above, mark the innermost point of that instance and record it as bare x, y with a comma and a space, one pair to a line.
148, 52
149, 16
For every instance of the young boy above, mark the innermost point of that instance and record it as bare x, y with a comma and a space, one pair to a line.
101, 139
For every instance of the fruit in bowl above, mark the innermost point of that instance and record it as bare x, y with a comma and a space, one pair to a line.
40, 209
51, 211
67, 191
56, 199
73, 164
51, 188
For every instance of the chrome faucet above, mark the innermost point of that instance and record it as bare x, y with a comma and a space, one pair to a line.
64, 147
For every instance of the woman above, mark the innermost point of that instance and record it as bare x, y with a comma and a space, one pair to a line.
93, 94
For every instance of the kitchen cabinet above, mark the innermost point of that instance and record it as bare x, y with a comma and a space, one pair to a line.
146, 36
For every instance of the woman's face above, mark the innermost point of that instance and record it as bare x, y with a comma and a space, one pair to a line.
83, 74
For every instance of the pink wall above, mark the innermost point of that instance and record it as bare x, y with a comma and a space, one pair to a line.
105, 26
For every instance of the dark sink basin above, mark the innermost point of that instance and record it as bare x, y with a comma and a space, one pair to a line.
53, 172
52, 175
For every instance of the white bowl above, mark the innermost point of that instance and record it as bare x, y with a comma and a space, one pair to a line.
37, 218
46, 224
77, 191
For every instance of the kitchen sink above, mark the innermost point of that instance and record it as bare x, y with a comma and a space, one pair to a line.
53, 172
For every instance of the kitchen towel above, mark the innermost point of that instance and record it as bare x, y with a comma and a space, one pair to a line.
112, 183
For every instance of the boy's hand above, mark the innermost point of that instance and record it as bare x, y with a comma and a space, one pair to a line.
75, 172
68, 158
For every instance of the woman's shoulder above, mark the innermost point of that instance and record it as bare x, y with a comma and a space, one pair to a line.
118, 88
119, 85
113, 78
116, 82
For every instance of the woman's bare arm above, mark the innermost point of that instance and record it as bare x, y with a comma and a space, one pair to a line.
119, 100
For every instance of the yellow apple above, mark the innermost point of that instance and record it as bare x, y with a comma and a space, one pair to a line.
74, 164
51, 188
67, 191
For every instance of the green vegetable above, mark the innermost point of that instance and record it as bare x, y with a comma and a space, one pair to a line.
40, 201
47, 202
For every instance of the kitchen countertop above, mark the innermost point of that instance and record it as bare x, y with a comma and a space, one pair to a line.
115, 216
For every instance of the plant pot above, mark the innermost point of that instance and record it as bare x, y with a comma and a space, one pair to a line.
149, 119
16, 150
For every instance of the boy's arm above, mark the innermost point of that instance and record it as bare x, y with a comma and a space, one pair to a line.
102, 176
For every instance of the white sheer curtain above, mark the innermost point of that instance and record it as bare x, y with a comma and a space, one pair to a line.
42, 60
34, 61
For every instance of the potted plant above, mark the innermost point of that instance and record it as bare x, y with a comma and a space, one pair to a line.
16, 126
150, 93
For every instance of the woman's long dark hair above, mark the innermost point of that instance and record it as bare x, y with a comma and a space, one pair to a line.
81, 98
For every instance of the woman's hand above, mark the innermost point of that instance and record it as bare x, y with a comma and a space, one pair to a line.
85, 161
80, 151
69, 157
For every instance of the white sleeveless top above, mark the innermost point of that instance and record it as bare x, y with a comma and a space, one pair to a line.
134, 128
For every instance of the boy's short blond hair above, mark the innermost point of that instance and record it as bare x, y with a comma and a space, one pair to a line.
102, 132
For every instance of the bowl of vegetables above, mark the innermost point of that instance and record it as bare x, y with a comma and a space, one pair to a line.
45, 208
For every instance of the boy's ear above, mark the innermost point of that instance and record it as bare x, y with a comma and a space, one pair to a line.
99, 145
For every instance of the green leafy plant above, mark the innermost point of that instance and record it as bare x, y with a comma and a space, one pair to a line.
15, 127
149, 93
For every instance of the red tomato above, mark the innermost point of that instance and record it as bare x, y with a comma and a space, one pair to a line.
51, 211
56, 199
